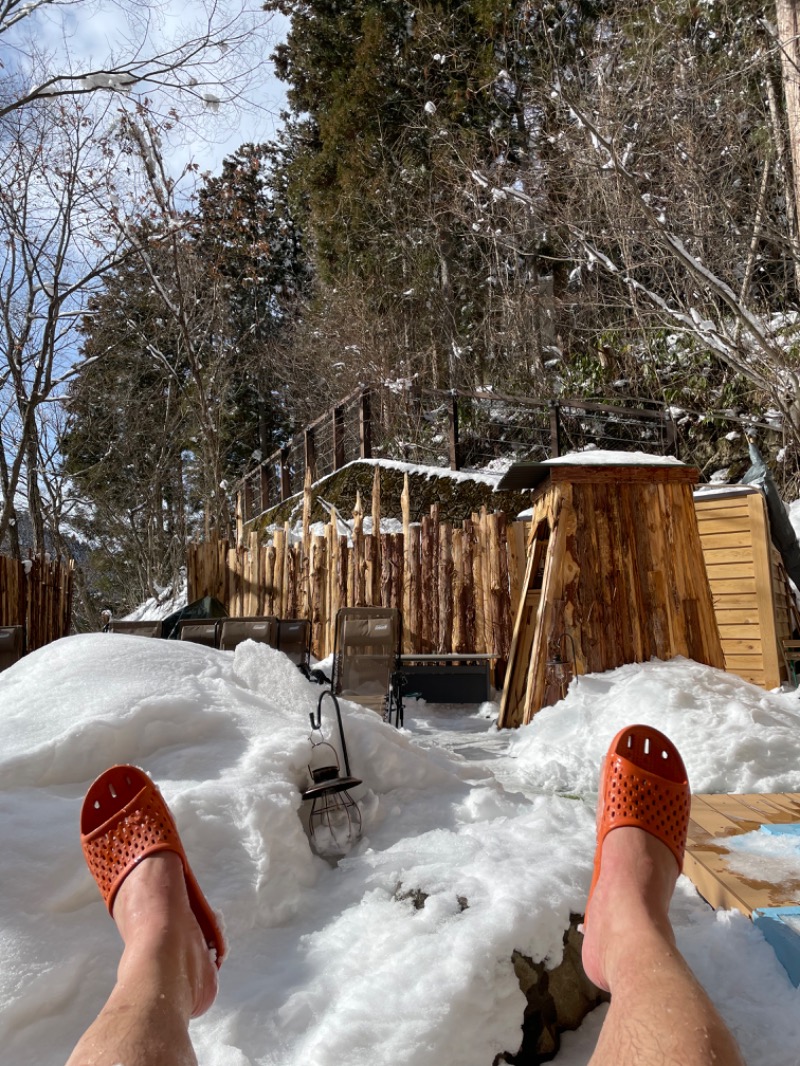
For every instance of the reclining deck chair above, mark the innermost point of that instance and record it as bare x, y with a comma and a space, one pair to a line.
198, 631
12, 645
263, 629
366, 659
138, 629
294, 640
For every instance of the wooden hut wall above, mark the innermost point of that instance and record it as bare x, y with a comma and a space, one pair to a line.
623, 578
750, 591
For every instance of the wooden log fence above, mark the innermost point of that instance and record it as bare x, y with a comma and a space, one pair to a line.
456, 585
37, 593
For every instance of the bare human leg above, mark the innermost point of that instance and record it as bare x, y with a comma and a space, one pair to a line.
659, 1014
165, 976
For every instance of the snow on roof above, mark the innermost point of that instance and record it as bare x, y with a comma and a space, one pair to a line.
481, 476
603, 457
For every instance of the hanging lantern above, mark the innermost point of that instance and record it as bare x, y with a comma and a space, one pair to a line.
335, 818
560, 668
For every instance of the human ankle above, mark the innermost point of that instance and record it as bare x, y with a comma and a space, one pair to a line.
162, 935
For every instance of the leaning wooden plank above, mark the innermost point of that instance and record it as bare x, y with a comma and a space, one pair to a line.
776, 807
733, 571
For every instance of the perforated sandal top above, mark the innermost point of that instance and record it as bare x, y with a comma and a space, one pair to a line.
644, 784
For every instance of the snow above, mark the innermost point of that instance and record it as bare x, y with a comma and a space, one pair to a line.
603, 457
161, 606
333, 963
483, 477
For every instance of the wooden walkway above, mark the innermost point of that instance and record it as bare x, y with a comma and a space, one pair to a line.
773, 907
716, 817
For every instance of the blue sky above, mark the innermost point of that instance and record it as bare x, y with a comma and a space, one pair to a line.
90, 35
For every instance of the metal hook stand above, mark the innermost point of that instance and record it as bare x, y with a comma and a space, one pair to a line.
335, 818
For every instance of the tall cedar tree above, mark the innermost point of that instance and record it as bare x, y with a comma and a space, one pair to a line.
247, 233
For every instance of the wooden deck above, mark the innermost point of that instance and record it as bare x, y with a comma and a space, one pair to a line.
716, 817
773, 907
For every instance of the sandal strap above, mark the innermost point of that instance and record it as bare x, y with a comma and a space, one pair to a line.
142, 827
637, 797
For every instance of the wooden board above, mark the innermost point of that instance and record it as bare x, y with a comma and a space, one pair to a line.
714, 819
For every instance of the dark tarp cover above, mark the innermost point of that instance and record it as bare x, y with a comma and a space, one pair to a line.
207, 607
781, 529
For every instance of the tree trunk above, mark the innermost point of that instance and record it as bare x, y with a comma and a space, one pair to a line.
788, 16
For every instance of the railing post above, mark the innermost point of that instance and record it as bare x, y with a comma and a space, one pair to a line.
338, 438
310, 451
671, 440
249, 509
286, 488
365, 425
555, 430
265, 500
452, 416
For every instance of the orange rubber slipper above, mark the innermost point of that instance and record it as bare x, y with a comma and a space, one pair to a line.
643, 784
124, 819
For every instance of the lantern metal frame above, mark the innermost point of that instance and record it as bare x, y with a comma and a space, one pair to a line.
330, 791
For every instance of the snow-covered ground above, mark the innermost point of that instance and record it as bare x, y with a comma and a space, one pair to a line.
332, 964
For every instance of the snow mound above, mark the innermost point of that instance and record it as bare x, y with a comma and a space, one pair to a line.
402, 952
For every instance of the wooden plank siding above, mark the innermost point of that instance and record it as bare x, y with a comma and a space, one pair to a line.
750, 592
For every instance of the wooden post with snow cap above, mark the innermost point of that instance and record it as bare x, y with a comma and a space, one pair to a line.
376, 534
444, 639
459, 605
359, 560
409, 627
616, 573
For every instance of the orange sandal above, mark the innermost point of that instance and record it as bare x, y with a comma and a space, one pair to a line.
643, 784
123, 819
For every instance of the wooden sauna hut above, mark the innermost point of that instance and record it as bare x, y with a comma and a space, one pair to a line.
752, 598
615, 574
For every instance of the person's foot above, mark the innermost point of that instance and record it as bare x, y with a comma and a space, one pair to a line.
630, 900
154, 918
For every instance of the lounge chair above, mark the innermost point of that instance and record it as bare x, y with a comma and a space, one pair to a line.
137, 629
12, 645
366, 659
294, 640
231, 632
199, 631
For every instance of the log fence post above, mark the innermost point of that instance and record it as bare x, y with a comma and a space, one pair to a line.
310, 452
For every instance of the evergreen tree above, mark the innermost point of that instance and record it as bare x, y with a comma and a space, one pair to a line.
247, 234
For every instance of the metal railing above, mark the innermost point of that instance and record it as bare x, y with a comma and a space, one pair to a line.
459, 430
